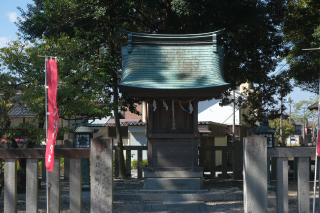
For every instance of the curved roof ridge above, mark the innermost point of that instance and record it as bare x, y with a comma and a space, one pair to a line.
172, 35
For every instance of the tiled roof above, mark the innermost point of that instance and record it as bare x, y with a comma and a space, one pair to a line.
313, 106
89, 124
126, 122
21, 111
181, 63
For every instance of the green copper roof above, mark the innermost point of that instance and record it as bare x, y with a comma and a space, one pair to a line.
178, 62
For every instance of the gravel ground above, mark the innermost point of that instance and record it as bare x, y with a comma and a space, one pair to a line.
134, 185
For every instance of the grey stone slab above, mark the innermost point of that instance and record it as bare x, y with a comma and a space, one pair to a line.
170, 191
172, 183
32, 186
255, 174
102, 171
159, 207
203, 208
291, 151
191, 208
181, 197
146, 208
153, 202
182, 202
161, 211
174, 174
176, 207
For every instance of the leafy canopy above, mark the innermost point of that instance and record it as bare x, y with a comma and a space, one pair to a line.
301, 31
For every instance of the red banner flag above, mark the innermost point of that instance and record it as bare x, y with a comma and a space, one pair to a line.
318, 141
318, 144
53, 117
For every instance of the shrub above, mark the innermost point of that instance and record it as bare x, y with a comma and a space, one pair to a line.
134, 163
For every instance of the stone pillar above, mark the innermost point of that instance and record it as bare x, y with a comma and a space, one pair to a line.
282, 184
303, 185
75, 185
10, 185
67, 144
255, 174
32, 186
54, 184
102, 173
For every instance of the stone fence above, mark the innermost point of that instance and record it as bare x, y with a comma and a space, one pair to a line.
255, 156
101, 169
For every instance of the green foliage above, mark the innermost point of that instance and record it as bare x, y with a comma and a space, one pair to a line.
61, 163
80, 92
8, 101
301, 31
134, 163
40, 165
302, 114
287, 129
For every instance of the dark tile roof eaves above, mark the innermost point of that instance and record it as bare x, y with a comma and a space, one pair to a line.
127, 124
21, 111
313, 106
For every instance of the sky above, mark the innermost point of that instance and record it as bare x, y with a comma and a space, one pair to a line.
10, 13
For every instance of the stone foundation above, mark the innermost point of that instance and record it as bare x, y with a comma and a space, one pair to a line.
173, 180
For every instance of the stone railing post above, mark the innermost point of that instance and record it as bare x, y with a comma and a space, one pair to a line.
67, 144
32, 188
54, 184
101, 175
10, 183
255, 174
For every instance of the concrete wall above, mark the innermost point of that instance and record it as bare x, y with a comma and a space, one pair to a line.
16, 121
137, 138
211, 111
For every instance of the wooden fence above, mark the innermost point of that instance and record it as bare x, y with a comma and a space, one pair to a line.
101, 169
128, 150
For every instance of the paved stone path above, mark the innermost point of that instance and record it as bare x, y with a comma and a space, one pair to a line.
175, 207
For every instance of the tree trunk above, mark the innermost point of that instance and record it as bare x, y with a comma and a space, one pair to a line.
122, 169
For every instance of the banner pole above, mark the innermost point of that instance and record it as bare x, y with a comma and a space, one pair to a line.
316, 160
46, 115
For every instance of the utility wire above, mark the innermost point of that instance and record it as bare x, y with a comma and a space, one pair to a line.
277, 72
225, 120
